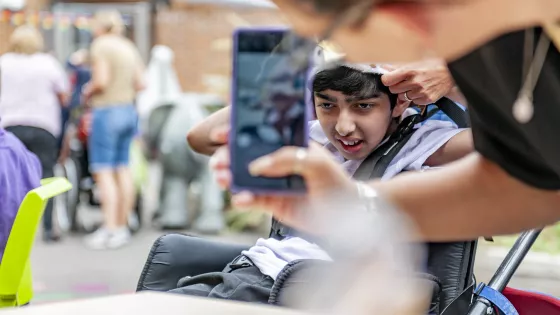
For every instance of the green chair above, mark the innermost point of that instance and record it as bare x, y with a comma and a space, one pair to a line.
16, 285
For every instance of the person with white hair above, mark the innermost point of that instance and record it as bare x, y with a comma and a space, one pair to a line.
116, 76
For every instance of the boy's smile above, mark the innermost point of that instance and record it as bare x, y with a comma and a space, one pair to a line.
349, 144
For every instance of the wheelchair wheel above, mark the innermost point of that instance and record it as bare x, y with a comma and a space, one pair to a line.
135, 218
66, 205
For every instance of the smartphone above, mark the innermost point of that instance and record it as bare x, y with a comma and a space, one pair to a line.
268, 105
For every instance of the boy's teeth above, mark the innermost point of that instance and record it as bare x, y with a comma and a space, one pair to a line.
349, 142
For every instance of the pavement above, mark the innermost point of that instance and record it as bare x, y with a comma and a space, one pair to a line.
68, 270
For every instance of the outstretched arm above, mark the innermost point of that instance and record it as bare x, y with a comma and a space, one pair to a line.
199, 136
470, 198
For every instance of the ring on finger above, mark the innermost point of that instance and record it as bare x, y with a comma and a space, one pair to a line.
406, 97
301, 156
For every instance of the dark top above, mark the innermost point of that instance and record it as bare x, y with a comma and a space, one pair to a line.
82, 75
490, 79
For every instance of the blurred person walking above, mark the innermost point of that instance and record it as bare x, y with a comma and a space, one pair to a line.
79, 72
116, 77
33, 88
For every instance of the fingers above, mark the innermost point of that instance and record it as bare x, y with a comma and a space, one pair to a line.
404, 86
219, 135
243, 200
219, 163
396, 76
423, 101
285, 162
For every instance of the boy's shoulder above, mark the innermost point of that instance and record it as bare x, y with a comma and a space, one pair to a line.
316, 133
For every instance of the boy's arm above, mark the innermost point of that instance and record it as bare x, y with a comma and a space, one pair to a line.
199, 136
457, 147
139, 70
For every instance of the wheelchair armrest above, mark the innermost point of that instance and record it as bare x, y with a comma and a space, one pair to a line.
174, 256
299, 278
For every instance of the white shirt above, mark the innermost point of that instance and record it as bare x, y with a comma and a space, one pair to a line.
28, 91
271, 255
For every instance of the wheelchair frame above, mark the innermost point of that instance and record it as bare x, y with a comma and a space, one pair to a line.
489, 298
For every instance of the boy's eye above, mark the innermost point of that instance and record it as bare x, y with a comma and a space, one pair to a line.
326, 105
365, 105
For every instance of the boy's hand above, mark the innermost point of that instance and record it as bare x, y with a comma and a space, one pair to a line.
422, 82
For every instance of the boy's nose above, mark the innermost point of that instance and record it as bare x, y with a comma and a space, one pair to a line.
345, 125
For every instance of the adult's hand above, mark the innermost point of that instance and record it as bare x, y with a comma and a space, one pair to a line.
422, 82
322, 175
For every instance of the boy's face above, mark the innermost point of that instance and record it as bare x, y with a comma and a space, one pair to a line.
355, 126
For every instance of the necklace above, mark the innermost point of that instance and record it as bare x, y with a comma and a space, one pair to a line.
523, 108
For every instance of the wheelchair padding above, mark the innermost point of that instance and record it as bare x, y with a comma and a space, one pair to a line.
452, 263
297, 279
174, 256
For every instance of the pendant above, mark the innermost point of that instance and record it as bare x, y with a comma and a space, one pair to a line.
523, 109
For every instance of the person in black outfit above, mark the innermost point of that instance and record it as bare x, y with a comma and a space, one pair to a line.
511, 184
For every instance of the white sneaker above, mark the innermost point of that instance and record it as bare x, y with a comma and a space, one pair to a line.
98, 239
119, 238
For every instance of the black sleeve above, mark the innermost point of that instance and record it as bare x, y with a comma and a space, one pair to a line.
490, 78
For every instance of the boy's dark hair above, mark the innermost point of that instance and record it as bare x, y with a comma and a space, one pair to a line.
352, 82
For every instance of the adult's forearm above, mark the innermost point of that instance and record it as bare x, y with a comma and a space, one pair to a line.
470, 198
199, 136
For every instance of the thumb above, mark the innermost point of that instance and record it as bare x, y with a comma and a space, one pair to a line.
395, 76
280, 163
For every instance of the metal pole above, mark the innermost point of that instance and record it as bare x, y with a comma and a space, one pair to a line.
505, 272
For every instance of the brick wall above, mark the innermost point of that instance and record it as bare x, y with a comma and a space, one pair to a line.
200, 36
6, 29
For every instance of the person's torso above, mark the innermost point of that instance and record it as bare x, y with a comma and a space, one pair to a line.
491, 77
20, 172
122, 59
27, 91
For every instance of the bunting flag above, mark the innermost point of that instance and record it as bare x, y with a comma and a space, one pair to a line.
4, 16
48, 20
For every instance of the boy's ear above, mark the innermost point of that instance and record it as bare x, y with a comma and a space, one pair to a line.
400, 107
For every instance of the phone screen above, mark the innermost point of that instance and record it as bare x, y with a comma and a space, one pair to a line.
269, 109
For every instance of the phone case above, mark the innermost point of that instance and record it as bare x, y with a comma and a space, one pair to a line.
233, 120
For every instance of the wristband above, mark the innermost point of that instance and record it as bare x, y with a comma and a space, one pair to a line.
367, 195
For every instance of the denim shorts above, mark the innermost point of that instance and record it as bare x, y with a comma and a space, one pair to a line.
112, 130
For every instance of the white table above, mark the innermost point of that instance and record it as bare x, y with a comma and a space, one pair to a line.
150, 304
